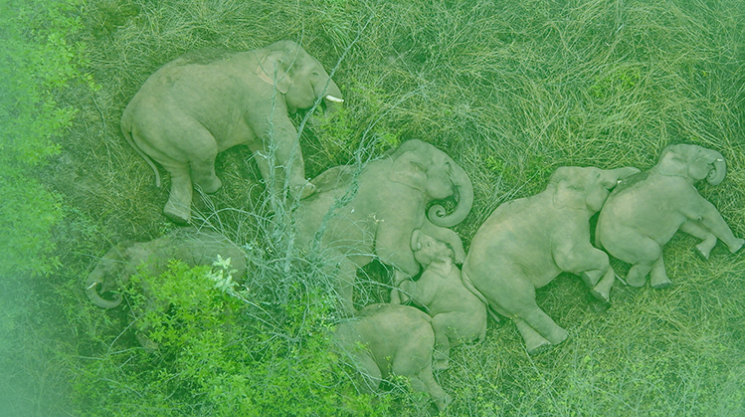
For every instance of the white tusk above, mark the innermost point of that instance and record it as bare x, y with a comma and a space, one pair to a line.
90, 287
334, 99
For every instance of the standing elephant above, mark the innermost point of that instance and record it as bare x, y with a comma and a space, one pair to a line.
645, 210
390, 339
458, 314
197, 106
526, 243
349, 221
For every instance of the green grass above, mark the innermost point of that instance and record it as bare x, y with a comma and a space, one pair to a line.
512, 90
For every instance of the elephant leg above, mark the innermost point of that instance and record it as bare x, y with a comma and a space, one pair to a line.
601, 291
178, 207
442, 325
425, 382
399, 276
371, 375
346, 274
696, 229
289, 154
203, 173
534, 342
658, 276
644, 254
519, 301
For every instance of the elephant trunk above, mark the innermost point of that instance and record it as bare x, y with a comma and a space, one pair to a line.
463, 192
95, 280
717, 174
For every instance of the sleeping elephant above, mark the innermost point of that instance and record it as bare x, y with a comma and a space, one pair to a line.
526, 243
188, 245
647, 209
393, 339
199, 105
353, 218
125, 259
458, 313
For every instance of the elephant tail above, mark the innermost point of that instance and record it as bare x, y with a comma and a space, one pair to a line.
127, 132
469, 285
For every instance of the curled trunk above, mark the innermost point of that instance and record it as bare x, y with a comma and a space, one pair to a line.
463, 195
717, 174
92, 284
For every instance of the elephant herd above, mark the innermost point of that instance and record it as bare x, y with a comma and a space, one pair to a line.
197, 106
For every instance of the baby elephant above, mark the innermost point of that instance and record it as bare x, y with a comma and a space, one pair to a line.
394, 339
458, 315
645, 210
526, 243
188, 245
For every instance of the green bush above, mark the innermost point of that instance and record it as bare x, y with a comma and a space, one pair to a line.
37, 61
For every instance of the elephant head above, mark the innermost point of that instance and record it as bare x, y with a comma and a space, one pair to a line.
425, 168
297, 75
107, 276
693, 162
585, 188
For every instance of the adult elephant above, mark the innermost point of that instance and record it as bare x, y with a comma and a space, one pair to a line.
201, 104
353, 218
526, 243
647, 209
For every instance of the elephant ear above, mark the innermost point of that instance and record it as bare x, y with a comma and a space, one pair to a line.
568, 191
273, 70
410, 170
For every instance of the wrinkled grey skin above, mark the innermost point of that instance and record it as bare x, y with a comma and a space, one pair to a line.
526, 243
393, 339
458, 315
197, 106
188, 245
647, 209
389, 204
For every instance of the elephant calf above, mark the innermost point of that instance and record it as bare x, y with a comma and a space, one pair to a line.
647, 209
394, 339
526, 243
458, 315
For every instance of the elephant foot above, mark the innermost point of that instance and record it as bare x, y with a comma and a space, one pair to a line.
538, 347
702, 252
601, 295
590, 278
635, 277
306, 190
177, 214
558, 335
661, 283
210, 185
733, 248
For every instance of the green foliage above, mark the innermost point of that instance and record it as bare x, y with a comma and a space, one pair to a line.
37, 61
212, 352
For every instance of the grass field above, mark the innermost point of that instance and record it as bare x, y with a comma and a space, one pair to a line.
511, 90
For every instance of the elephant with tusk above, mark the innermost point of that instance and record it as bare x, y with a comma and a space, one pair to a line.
647, 209
199, 105
352, 219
